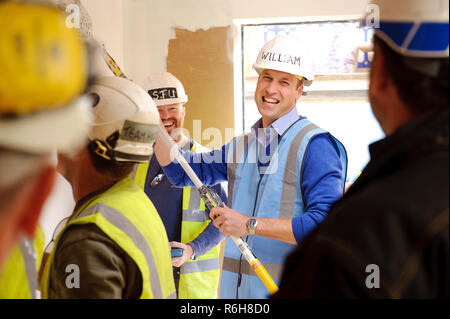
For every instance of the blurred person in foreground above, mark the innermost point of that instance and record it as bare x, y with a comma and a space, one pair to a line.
42, 108
388, 237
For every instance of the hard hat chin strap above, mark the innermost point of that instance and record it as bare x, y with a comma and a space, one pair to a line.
101, 149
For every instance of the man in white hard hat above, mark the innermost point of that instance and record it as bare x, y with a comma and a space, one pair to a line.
42, 108
389, 235
282, 177
185, 217
114, 245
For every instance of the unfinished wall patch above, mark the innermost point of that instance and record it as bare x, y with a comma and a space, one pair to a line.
201, 60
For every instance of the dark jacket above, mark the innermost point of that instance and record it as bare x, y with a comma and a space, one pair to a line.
106, 271
390, 230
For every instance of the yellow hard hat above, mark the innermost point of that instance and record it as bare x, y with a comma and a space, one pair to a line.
43, 63
44, 71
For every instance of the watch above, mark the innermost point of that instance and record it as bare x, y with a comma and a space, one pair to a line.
251, 225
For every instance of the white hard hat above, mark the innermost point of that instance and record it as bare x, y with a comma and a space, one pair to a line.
165, 89
287, 54
415, 28
63, 129
125, 120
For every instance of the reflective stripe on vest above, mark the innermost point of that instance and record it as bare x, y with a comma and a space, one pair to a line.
232, 265
121, 222
29, 255
286, 208
234, 155
19, 272
198, 278
200, 265
290, 173
138, 175
126, 216
195, 210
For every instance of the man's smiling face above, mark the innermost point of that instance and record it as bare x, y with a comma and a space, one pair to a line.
276, 94
172, 116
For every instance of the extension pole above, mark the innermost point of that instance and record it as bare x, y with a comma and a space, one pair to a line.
256, 265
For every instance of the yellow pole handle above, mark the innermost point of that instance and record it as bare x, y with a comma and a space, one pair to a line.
256, 265
264, 276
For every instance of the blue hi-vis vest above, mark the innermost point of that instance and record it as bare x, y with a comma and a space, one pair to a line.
276, 194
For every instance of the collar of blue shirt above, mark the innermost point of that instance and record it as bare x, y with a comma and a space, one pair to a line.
277, 128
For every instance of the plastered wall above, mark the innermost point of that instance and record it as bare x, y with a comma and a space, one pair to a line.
194, 41
163, 17
201, 61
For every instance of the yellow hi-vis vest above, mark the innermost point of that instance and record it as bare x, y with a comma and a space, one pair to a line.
126, 215
199, 278
18, 276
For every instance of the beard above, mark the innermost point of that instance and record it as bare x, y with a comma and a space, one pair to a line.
176, 129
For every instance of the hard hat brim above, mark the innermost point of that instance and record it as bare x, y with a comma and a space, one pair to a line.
306, 81
63, 129
171, 101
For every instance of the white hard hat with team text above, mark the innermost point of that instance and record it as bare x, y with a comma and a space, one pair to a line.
125, 120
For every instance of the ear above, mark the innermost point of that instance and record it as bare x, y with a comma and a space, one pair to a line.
379, 77
299, 91
36, 198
